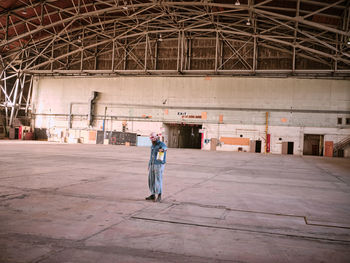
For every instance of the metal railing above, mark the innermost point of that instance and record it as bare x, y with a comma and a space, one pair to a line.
341, 145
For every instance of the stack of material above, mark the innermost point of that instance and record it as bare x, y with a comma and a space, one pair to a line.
123, 138
88, 137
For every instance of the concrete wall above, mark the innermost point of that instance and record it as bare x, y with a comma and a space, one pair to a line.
296, 106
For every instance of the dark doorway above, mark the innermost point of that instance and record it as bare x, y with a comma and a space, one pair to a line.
16, 133
340, 153
313, 144
258, 146
290, 148
184, 136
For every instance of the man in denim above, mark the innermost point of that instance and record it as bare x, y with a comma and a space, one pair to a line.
156, 167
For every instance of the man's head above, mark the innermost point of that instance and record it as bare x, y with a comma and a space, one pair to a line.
154, 137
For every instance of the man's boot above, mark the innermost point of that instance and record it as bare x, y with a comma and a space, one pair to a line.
151, 197
159, 198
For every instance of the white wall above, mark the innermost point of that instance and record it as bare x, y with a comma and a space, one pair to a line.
266, 93
296, 106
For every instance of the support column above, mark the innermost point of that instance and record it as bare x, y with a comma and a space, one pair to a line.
14, 101
254, 55
29, 96
20, 94
216, 51
189, 53
178, 52
113, 48
125, 53
156, 55
182, 50
146, 47
113, 56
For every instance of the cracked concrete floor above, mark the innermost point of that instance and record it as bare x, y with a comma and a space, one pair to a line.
85, 203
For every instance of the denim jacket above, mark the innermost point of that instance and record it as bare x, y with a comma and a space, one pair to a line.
154, 151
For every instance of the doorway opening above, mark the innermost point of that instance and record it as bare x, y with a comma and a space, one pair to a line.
258, 146
290, 148
184, 136
287, 147
16, 133
313, 144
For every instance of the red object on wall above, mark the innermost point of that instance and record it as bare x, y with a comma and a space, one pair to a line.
202, 140
268, 139
20, 132
328, 148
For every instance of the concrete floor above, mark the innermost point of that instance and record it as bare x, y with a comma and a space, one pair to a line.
85, 203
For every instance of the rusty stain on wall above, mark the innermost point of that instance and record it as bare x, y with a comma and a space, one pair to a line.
234, 141
221, 118
92, 136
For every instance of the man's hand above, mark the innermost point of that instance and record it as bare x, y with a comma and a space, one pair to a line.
161, 150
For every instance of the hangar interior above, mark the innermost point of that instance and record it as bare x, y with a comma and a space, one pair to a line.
251, 96
272, 72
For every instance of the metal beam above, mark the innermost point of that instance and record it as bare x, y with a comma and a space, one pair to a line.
66, 20
199, 20
301, 20
322, 9
295, 35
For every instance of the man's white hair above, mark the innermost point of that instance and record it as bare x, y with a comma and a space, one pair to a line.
154, 136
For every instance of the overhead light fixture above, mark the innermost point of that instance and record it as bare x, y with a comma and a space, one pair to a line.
24, 11
125, 7
160, 38
248, 22
348, 41
237, 3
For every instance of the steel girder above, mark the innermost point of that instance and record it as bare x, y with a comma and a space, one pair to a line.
187, 20
67, 37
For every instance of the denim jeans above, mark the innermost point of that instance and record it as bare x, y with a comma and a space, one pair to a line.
155, 178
